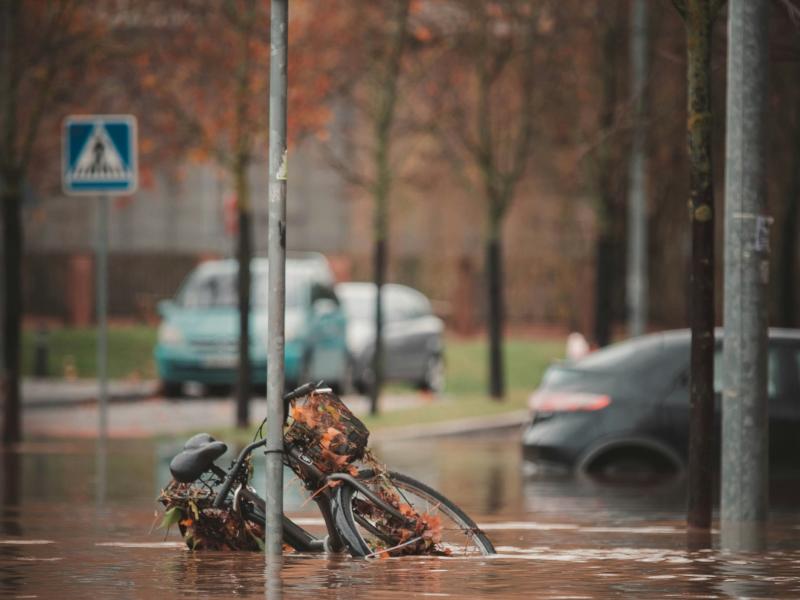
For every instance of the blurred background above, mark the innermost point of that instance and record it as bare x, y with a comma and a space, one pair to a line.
509, 121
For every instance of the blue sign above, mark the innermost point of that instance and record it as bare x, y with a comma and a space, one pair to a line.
99, 155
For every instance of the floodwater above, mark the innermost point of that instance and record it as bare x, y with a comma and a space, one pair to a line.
68, 532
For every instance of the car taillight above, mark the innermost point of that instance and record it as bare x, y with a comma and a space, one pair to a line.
546, 401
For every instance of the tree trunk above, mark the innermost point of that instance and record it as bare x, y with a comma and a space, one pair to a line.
386, 101
699, 20
494, 272
12, 308
244, 254
244, 250
609, 219
604, 282
379, 272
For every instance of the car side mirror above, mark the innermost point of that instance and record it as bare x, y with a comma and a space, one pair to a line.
324, 306
165, 307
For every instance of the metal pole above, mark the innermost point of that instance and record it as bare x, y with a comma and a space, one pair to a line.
279, 28
744, 499
101, 292
636, 288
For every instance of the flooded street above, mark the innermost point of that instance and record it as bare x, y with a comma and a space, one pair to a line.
67, 533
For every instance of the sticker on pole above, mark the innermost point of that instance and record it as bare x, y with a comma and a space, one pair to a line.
99, 155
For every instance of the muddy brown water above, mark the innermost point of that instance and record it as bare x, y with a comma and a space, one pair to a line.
68, 532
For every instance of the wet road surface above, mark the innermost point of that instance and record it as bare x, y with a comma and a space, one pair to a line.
68, 532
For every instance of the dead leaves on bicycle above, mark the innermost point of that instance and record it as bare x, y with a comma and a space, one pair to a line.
204, 527
327, 432
417, 534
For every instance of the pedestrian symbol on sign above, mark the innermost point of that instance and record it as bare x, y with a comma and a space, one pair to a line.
99, 159
99, 154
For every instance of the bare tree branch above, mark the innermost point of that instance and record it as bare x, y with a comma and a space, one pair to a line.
345, 168
41, 101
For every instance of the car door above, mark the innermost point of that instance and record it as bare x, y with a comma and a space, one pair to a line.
423, 331
783, 390
783, 398
327, 334
395, 338
410, 326
674, 409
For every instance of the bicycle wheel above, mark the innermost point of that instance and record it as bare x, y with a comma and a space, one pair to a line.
437, 526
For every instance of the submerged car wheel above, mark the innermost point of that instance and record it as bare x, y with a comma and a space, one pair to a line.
631, 463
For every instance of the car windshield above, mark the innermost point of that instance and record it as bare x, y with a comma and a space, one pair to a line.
359, 304
214, 290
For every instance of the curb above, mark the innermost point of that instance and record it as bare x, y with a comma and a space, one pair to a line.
43, 394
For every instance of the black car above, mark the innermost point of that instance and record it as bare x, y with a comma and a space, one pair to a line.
626, 407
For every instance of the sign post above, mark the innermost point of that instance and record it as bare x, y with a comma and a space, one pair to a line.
99, 158
279, 26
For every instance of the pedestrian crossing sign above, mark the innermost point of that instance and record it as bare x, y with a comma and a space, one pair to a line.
99, 155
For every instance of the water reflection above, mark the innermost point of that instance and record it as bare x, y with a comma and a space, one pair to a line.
698, 539
101, 471
274, 575
11, 480
558, 537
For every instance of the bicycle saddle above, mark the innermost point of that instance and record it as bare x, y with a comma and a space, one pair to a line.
197, 456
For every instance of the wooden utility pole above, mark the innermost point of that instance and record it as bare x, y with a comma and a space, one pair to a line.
698, 16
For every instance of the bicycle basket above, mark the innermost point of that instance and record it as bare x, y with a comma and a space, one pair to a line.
327, 432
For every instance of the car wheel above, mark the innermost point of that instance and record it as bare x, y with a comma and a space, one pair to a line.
218, 390
434, 377
171, 389
631, 465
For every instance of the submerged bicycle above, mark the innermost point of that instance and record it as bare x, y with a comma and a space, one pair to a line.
368, 510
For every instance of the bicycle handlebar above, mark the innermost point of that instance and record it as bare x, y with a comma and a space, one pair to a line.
303, 390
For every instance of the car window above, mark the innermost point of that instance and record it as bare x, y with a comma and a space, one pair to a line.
216, 289
358, 303
783, 363
320, 291
418, 306
399, 303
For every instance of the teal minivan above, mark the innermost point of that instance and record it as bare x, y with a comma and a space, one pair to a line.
199, 331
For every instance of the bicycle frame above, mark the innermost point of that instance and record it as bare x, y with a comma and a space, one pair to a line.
316, 482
